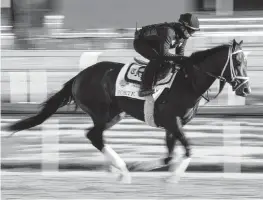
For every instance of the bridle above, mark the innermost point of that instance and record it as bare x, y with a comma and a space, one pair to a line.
234, 77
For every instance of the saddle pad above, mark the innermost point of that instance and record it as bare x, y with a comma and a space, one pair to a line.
129, 78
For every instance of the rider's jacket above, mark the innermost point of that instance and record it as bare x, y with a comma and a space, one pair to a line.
165, 33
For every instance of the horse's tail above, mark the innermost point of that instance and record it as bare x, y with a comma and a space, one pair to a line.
49, 107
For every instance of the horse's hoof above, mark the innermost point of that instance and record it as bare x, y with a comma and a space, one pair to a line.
125, 178
170, 180
110, 169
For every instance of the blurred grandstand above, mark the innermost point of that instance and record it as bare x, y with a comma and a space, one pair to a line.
57, 26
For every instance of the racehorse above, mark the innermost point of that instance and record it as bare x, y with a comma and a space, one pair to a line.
93, 90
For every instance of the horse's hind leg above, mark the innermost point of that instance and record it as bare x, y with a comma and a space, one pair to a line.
115, 120
95, 135
103, 113
103, 119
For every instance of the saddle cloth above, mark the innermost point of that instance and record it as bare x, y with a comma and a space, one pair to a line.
129, 78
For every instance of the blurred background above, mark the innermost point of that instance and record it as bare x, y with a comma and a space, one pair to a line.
42, 40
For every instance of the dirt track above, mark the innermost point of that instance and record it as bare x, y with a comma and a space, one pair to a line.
214, 142
149, 185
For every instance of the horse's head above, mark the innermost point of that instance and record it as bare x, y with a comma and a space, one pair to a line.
235, 70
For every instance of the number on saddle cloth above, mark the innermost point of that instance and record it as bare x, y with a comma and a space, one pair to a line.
135, 71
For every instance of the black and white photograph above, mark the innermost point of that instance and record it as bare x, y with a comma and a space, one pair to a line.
131, 99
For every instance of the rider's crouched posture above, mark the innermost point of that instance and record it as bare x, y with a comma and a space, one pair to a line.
154, 41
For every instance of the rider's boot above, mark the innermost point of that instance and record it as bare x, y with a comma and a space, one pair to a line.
146, 87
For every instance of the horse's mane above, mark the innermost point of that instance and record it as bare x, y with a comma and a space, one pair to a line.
199, 56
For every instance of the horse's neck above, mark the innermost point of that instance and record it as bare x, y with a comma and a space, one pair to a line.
214, 65
202, 82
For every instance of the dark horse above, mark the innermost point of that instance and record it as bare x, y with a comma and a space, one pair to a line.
93, 90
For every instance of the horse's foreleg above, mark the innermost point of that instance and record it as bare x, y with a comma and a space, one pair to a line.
185, 143
175, 127
170, 140
179, 134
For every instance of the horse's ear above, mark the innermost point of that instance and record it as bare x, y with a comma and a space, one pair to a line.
240, 43
234, 44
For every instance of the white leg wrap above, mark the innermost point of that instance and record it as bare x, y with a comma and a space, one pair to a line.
114, 159
179, 169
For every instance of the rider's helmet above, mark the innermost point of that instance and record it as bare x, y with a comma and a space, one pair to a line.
190, 22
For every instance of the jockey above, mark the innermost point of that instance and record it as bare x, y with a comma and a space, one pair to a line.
154, 41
